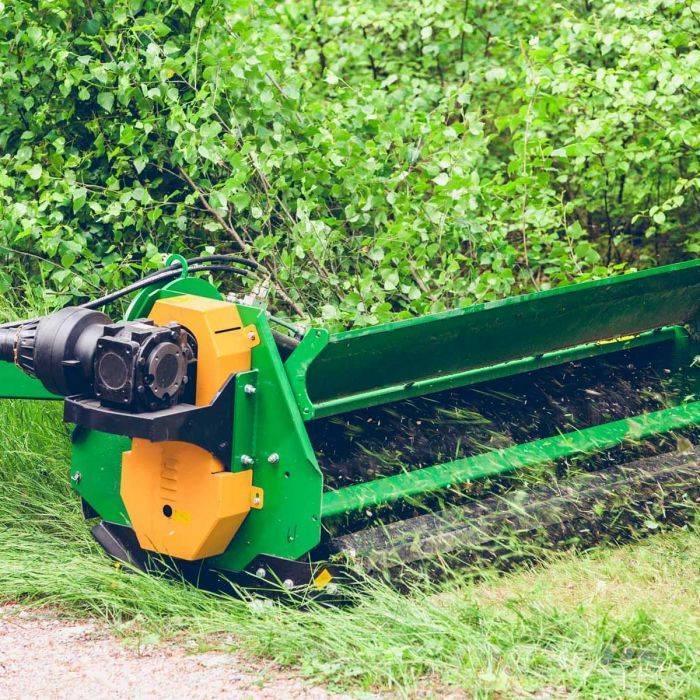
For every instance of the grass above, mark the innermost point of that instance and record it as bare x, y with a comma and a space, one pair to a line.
619, 622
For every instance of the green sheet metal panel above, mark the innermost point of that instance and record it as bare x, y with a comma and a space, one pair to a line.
289, 524
15, 384
429, 385
96, 472
140, 307
429, 479
327, 367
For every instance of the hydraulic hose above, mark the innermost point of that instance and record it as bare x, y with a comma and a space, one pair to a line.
161, 276
199, 265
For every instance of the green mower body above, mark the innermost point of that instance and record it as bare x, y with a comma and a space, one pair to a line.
329, 375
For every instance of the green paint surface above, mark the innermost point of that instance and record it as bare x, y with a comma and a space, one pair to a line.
96, 471
15, 384
266, 422
333, 373
602, 437
289, 524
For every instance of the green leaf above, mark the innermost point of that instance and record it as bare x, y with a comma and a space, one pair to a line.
35, 171
105, 100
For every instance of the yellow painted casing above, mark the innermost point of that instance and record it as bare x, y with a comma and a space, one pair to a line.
179, 499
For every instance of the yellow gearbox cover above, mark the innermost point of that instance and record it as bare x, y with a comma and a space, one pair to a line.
179, 499
223, 344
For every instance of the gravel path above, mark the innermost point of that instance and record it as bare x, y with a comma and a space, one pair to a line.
44, 656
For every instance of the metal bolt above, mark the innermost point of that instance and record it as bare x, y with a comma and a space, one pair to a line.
247, 460
256, 501
251, 336
76, 478
273, 458
288, 583
249, 389
261, 573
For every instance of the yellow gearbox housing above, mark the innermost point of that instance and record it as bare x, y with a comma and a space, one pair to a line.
180, 500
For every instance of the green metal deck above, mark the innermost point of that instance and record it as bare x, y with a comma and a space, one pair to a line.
335, 373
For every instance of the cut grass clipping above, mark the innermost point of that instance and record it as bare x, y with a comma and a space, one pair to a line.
615, 622
612, 622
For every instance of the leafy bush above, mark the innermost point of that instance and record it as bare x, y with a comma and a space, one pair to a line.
379, 157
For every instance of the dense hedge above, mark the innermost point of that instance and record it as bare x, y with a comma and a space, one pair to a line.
378, 156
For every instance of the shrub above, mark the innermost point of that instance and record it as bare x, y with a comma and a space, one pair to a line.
381, 158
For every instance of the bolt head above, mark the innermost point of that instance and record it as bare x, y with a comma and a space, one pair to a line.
249, 389
247, 460
261, 573
288, 583
251, 336
274, 458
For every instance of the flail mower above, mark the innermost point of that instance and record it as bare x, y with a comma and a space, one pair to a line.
236, 452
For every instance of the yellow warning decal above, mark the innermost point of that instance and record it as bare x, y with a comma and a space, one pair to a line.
619, 339
323, 579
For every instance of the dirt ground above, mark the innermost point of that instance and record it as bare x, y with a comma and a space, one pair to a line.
44, 656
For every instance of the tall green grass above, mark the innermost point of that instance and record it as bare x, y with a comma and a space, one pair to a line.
613, 623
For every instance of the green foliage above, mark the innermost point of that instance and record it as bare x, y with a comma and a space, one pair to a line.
381, 158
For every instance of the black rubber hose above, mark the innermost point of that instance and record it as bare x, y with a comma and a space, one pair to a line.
169, 273
223, 257
162, 276
226, 257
